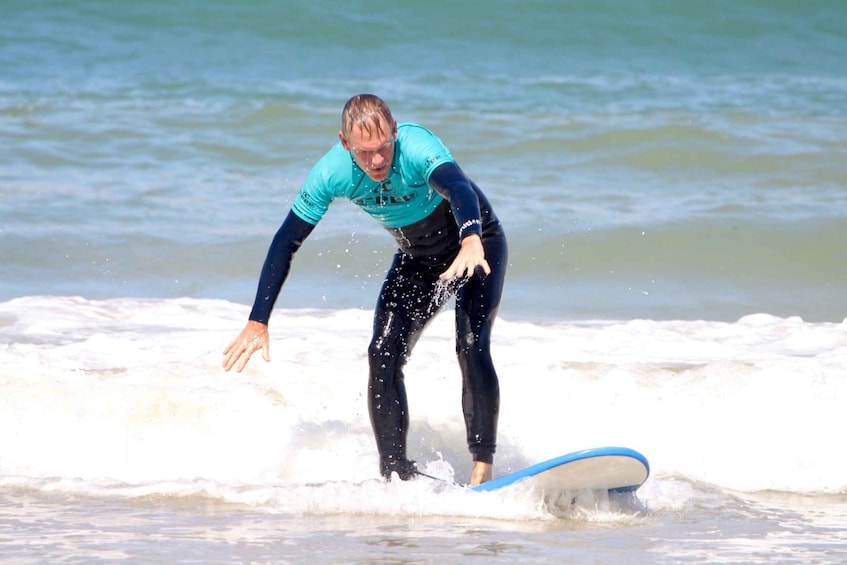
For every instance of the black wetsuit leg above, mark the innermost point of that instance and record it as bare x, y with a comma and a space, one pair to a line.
411, 295
477, 302
405, 305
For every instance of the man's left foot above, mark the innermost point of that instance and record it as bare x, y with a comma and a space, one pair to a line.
481, 473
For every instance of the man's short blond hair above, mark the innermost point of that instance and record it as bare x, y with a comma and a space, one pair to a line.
368, 112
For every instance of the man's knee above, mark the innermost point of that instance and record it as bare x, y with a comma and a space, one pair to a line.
471, 346
385, 354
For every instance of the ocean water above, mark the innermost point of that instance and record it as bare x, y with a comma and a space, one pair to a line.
673, 181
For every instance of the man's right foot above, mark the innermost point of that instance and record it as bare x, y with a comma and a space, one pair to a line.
404, 468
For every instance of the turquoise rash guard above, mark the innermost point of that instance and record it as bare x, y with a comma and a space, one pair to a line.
424, 181
403, 198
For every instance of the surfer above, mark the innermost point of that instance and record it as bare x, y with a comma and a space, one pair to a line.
449, 241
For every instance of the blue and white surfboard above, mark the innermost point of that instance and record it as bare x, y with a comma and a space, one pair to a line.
616, 469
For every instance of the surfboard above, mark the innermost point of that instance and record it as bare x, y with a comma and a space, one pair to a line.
614, 469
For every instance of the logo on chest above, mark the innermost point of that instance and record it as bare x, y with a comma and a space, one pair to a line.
384, 194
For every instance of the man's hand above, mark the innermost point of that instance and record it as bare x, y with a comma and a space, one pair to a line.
470, 256
253, 337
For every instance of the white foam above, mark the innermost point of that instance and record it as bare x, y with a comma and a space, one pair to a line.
130, 392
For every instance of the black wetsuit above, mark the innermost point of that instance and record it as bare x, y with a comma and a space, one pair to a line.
410, 296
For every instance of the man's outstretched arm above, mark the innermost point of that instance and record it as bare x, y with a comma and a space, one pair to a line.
254, 336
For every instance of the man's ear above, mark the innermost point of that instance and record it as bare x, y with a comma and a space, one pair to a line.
344, 140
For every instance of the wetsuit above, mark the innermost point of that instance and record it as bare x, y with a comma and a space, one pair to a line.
428, 205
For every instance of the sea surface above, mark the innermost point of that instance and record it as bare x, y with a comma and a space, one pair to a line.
672, 176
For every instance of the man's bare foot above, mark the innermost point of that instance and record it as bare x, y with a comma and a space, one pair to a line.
482, 472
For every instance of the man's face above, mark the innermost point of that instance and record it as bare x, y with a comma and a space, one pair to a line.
373, 151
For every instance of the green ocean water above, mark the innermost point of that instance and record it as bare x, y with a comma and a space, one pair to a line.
652, 159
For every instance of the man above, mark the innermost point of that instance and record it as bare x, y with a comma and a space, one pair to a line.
449, 240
